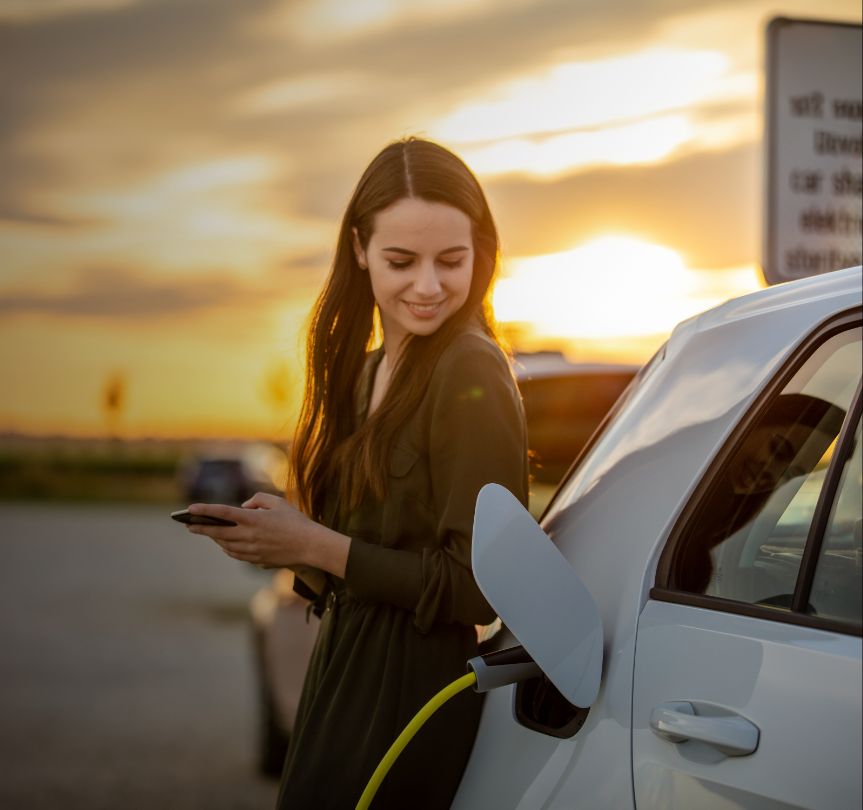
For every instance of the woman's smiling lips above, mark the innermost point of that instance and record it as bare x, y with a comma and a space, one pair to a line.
424, 310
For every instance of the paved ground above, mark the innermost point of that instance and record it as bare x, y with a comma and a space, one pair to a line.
126, 679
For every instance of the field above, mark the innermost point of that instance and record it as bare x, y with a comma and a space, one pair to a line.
113, 471
109, 470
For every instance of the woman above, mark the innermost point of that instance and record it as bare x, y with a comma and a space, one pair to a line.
391, 449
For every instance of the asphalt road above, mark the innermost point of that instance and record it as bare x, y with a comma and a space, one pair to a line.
126, 678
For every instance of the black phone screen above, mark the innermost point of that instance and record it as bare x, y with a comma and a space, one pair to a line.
184, 516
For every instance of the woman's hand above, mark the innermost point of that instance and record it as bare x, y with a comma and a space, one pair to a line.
273, 534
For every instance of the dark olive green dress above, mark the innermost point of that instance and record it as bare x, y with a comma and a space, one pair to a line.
401, 625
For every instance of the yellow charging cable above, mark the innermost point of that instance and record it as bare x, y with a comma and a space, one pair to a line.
407, 735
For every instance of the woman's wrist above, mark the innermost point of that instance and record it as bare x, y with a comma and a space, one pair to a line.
328, 550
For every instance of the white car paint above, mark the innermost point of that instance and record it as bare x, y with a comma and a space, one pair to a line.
610, 520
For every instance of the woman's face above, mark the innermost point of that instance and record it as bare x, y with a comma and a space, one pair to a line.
420, 262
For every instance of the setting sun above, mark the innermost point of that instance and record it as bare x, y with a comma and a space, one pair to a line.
613, 286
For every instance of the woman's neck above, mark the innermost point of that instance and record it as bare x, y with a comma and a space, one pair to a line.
393, 346
379, 384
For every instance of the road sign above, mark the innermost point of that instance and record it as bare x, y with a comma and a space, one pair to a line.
814, 148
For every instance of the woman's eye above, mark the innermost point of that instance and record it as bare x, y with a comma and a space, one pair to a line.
452, 265
394, 265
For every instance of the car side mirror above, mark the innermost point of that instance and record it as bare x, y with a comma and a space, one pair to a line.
537, 594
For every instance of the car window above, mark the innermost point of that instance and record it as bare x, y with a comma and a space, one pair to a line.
837, 589
746, 538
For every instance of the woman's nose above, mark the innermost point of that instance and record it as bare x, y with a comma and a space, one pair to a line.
427, 283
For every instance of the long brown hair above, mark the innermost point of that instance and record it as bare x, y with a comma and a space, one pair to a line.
342, 329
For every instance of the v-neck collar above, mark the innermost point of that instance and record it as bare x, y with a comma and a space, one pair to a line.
367, 387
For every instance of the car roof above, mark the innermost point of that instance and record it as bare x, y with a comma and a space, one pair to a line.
781, 296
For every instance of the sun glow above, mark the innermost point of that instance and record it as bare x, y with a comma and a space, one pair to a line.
612, 287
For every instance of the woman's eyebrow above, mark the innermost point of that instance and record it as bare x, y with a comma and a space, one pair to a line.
406, 252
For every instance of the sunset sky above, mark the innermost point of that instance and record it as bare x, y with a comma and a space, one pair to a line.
174, 171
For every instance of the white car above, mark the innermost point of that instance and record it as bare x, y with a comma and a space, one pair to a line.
693, 591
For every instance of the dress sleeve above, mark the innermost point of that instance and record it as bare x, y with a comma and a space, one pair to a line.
477, 436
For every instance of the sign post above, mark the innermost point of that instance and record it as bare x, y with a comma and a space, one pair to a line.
814, 148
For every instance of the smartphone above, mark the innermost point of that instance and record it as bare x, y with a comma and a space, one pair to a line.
185, 516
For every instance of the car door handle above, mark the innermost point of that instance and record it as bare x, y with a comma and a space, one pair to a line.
731, 734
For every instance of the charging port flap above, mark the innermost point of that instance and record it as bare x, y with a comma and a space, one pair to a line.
537, 594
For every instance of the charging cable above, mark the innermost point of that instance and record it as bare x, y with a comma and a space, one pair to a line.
488, 671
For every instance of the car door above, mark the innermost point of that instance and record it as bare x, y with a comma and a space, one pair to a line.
747, 677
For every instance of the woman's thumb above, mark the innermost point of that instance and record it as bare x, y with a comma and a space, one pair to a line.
260, 500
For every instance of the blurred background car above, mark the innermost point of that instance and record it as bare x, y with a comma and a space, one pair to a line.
228, 475
564, 404
283, 634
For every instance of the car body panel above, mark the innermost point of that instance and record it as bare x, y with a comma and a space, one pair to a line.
611, 517
774, 674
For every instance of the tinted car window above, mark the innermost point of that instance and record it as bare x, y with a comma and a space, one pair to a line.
746, 538
837, 589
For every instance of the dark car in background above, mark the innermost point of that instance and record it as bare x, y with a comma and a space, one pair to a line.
230, 476
564, 403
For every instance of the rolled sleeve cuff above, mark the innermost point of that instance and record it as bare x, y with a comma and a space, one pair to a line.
384, 574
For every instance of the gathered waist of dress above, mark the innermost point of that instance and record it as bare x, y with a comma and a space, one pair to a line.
337, 595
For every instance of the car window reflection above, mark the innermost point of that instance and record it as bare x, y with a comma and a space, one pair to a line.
746, 539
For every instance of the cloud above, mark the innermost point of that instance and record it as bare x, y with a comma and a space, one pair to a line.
126, 295
301, 93
29, 10
109, 93
316, 261
100, 100
655, 103
336, 20
182, 220
44, 218
115, 92
107, 42
564, 97
707, 206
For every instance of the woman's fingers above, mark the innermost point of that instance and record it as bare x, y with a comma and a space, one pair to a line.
269, 531
240, 557
220, 510
217, 533
232, 546
241, 551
